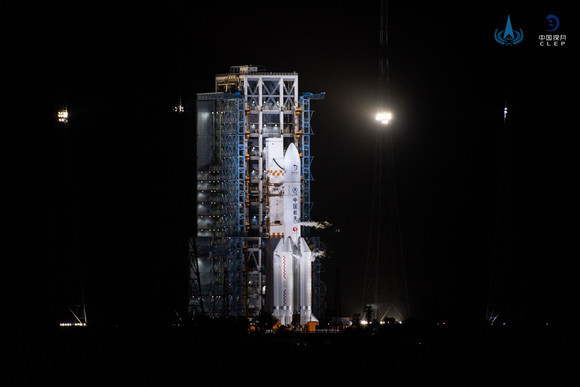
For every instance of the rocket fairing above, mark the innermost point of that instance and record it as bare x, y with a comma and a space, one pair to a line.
292, 258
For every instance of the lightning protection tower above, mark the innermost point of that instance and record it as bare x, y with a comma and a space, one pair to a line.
67, 281
499, 307
385, 286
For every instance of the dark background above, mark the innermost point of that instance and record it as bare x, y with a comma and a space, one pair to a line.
127, 204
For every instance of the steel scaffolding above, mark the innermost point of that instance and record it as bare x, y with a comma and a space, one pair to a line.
306, 130
216, 278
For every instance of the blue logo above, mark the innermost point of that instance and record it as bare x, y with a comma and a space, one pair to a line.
508, 36
553, 22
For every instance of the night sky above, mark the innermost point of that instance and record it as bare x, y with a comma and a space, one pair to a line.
131, 187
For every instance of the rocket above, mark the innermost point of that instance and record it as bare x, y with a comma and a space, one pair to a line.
292, 258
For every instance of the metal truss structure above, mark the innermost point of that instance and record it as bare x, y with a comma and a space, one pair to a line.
219, 254
306, 157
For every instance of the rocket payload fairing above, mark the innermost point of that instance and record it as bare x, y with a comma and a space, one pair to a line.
292, 259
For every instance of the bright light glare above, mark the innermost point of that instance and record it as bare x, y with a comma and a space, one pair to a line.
76, 324
63, 116
384, 117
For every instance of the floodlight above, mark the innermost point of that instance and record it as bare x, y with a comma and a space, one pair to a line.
62, 116
384, 117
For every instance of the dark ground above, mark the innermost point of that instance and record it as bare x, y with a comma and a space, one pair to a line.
219, 355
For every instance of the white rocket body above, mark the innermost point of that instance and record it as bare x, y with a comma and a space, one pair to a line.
292, 258
292, 194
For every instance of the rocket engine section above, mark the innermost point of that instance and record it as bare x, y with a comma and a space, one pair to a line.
292, 258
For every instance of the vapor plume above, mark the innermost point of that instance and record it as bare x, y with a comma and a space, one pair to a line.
323, 224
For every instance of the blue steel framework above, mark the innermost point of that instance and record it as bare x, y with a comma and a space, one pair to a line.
318, 287
216, 278
306, 157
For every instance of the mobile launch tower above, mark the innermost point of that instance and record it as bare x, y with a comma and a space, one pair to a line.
251, 252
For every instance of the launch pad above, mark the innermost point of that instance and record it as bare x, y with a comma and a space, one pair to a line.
252, 251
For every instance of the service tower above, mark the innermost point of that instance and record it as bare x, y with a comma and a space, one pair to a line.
253, 191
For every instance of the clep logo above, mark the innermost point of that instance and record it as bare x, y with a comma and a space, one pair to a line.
552, 24
508, 36
294, 228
